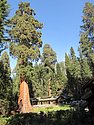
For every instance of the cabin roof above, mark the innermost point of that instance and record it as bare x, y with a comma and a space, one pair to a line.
48, 99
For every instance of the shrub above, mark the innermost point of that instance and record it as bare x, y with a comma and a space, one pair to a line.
4, 120
4, 106
53, 118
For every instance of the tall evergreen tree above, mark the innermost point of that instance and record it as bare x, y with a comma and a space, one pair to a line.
39, 81
87, 34
49, 56
26, 42
60, 77
3, 21
49, 60
73, 73
6, 85
86, 72
25, 34
68, 66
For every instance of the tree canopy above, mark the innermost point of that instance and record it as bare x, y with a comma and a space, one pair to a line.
87, 34
26, 36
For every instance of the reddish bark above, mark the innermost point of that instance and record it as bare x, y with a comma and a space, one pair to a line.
24, 98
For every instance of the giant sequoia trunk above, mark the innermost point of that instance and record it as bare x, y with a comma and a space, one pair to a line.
24, 98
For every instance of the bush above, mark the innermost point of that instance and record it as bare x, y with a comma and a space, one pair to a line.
4, 106
3, 120
53, 118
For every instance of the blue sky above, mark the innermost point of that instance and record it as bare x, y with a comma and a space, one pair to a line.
61, 19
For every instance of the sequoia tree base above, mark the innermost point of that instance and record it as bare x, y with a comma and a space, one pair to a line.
24, 98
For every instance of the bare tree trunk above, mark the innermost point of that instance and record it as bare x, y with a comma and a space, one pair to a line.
24, 98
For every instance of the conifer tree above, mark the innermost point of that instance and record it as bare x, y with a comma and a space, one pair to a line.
26, 41
87, 34
3, 22
39, 81
73, 73
25, 35
86, 72
5, 76
6, 85
49, 56
60, 77
49, 60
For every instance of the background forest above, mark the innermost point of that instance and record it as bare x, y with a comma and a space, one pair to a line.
45, 76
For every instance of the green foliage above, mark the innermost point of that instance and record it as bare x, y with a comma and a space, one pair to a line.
40, 74
61, 73
26, 35
73, 74
3, 17
26, 42
87, 34
6, 86
49, 56
6, 62
86, 72
39, 81
3, 120
49, 61
3, 23
59, 79
5, 80
44, 77
68, 117
4, 106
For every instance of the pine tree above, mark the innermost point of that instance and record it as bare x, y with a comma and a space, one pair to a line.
73, 73
49, 60
87, 34
6, 85
39, 81
3, 22
86, 72
60, 77
49, 56
68, 67
5, 76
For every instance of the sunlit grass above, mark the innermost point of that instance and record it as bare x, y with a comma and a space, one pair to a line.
3, 120
52, 108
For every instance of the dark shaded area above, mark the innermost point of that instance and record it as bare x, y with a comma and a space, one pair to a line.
88, 95
31, 91
53, 118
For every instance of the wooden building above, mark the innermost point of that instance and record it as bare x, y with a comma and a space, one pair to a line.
49, 100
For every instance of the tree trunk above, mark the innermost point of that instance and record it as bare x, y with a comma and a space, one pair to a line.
49, 88
24, 98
